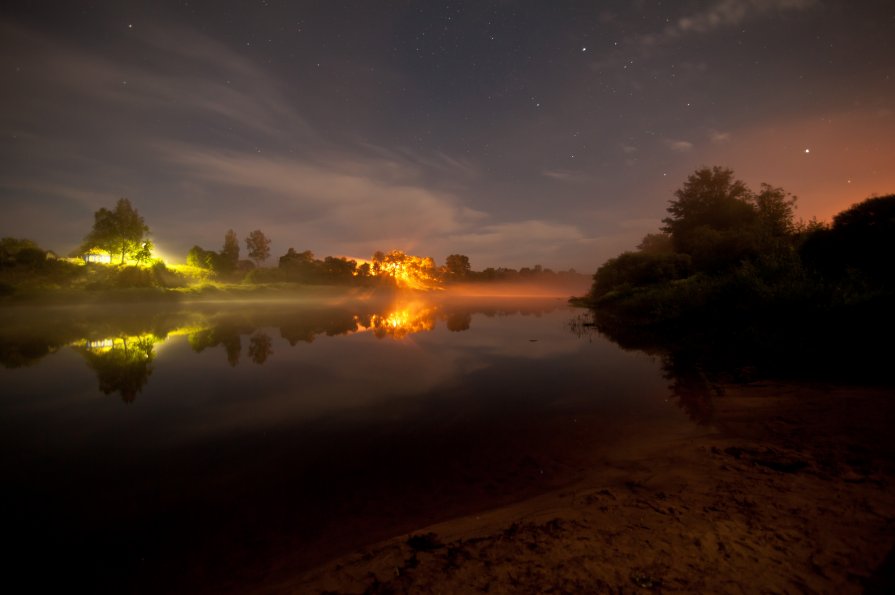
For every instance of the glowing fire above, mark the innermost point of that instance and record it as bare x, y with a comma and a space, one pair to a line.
413, 272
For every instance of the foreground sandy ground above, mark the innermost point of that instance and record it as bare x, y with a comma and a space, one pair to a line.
789, 490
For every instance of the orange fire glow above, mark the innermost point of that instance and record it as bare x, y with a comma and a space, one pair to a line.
412, 272
400, 321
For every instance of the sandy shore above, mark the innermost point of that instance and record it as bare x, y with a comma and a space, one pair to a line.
787, 491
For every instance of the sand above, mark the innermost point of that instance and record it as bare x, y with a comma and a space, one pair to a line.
788, 490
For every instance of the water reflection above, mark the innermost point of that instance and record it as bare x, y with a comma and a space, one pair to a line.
120, 345
693, 384
401, 321
260, 347
228, 336
305, 428
122, 364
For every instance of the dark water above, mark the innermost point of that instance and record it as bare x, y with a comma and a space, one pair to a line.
151, 448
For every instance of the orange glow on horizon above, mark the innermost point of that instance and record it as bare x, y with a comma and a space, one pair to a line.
849, 159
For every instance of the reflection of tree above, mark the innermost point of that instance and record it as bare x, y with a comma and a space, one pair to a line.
225, 335
260, 347
125, 367
683, 365
23, 352
458, 321
233, 347
690, 387
307, 325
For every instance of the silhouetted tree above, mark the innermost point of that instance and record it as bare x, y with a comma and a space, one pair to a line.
300, 266
457, 267
776, 210
230, 251
338, 270
720, 222
707, 214
656, 243
860, 243
120, 231
258, 246
144, 254
18, 251
378, 258
205, 259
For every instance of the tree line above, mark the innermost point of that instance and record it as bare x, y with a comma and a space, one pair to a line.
732, 276
718, 228
120, 236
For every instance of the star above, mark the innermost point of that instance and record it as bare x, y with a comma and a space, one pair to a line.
807, 151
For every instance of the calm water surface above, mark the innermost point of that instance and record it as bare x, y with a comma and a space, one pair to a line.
149, 447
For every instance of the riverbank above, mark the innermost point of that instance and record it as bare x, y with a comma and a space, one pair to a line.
787, 490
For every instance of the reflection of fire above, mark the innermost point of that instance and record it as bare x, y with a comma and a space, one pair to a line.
400, 322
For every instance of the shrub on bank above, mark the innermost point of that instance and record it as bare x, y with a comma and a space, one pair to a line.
733, 258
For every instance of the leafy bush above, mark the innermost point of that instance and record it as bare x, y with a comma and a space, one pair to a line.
638, 269
133, 276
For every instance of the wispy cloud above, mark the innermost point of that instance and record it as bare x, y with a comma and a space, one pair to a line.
210, 79
723, 14
679, 146
718, 137
202, 139
252, 141
713, 16
566, 175
531, 241
363, 199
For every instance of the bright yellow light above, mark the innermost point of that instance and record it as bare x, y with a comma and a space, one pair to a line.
100, 258
107, 344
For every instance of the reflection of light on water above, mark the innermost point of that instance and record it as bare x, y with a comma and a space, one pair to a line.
99, 344
181, 331
400, 322
124, 343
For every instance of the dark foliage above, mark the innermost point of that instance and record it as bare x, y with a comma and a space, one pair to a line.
858, 247
745, 288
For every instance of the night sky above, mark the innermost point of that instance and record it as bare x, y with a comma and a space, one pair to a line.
516, 132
